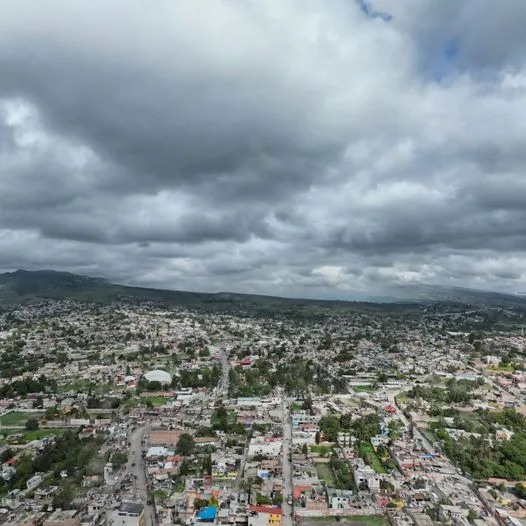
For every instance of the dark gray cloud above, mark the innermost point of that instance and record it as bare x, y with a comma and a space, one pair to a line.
286, 147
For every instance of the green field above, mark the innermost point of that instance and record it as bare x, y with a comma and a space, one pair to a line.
323, 449
363, 388
369, 455
325, 473
351, 520
155, 400
28, 436
17, 418
402, 398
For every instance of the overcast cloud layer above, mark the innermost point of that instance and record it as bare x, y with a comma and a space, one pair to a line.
294, 147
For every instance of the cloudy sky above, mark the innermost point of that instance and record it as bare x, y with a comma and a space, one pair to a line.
293, 147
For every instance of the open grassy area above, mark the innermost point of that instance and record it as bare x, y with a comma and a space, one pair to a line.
28, 436
371, 458
377, 520
155, 400
325, 473
17, 418
323, 449
99, 388
354, 520
363, 388
402, 398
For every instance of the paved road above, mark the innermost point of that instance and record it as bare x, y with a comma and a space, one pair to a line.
136, 466
287, 465
225, 365
241, 471
391, 396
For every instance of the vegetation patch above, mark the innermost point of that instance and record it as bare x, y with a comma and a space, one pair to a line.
368, 454
16, 418
154, 400
355, 520
325, 473
363, 388
28, 436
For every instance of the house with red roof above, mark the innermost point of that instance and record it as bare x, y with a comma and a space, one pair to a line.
265, 516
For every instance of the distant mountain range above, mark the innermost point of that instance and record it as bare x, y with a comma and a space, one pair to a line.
434, 293
24, 286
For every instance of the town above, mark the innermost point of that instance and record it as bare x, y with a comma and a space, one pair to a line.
133, 414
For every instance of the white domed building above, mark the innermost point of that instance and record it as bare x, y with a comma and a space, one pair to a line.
157, 375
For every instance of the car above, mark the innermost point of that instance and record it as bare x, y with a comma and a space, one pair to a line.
133, 464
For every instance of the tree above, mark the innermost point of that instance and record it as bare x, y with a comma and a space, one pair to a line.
64, 497
330, 426
160, 495
200, 503
395, 426
51, 412
205, 432
118, 459
207, 464
263, 499
185, 444
184, 468
32, 424
520, 490
7, 454
154, 386
472, 516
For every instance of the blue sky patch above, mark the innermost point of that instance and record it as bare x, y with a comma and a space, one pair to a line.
367, 8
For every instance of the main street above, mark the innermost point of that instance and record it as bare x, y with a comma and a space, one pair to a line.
136, 467
287, 465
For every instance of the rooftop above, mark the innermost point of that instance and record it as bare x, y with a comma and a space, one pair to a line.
131, 507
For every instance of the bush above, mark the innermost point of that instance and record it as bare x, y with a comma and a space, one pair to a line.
32, 424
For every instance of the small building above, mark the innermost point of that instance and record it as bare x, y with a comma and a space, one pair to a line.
207, 514
264, 516
128, 514
62, 518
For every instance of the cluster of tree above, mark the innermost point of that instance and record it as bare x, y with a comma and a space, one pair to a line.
68, 453
202, 377
249, 382
223, 421
95, 402
6, 455
32, 424
299, 376
185, 445
342, 474
206, 464
362, 428
118, 459
483, 458
275, 499
26, 386
204, 431
456, 392
144, 385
